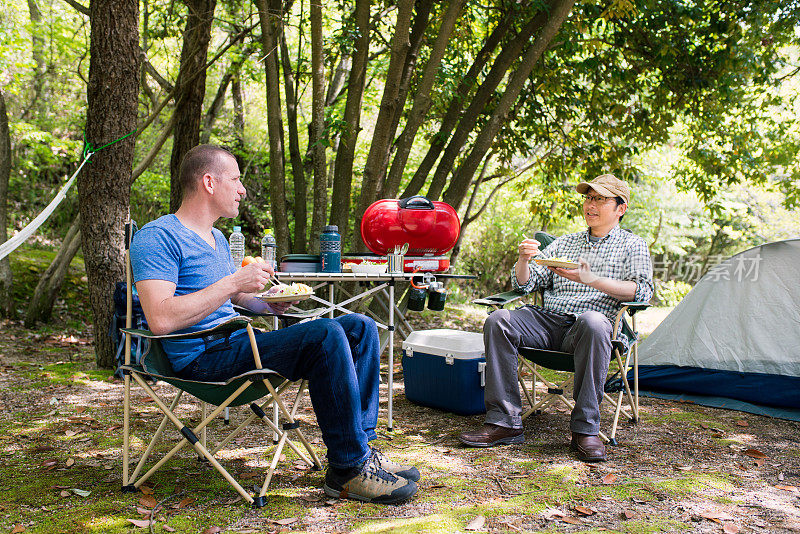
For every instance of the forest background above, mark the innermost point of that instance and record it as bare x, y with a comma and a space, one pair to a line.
498, 108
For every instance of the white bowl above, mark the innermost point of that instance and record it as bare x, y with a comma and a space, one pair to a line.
369, 269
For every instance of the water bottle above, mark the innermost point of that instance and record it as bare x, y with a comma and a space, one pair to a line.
330, 250
269, 249
236, 242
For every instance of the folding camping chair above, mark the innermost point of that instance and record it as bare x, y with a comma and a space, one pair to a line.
246, 388
623, 356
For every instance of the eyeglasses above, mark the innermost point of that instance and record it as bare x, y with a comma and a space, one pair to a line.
596, 198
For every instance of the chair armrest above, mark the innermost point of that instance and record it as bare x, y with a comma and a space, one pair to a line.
231, 325
634, 307
499, 299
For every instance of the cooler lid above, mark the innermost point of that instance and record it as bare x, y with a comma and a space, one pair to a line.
445, 341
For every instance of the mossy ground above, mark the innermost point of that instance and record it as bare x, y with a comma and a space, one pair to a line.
683, 468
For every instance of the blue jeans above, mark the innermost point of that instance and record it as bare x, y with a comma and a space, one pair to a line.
340, 359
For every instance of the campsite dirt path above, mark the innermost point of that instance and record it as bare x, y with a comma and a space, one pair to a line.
683, 468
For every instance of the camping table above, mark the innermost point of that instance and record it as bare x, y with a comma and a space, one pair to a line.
382, 282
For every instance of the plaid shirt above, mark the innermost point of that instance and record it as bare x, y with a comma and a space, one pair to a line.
621, 255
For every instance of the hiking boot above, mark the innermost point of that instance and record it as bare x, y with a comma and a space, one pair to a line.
589, 448
409, 472
490, 435
368, 483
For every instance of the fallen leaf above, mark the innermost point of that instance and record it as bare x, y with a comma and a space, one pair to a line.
42, 448
627, 514
17, 529
780, 476
717, 517
148, 501
683, 467
730, 528
286, 521
552, 513
476, 523
742, 422
70, 462
141, 523
793, 489
147, 490
609, 478
705, 426
584, 511
143, 511
80, 492
755, 453
571, 520
759, 462
168, 528
212, 530
80, 409
65, 493
186, 502
49, 463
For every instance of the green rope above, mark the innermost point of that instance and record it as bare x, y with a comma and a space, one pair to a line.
89, 149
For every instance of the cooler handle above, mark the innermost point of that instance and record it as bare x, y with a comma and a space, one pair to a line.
417, 202
482, 371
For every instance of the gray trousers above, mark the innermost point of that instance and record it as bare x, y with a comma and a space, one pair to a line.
588, 338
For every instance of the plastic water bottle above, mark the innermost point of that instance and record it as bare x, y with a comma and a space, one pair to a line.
330, 250
269, 249
236, 242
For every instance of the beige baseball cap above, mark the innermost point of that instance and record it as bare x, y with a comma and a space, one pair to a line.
607, 185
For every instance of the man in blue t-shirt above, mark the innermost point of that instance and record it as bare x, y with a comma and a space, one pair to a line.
186, 281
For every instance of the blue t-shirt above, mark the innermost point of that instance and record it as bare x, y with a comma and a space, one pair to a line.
165, 249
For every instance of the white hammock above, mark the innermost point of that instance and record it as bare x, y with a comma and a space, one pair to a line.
9, 246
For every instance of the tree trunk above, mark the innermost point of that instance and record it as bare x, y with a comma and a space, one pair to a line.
439, 141
40, 307
317, 143
422, 14
295, 157
277, 191
37, 107
505, 59
343, 169
191, 89
557, 11
378, 157
238, 109
422, 100
104, 185
6, 304
216, 105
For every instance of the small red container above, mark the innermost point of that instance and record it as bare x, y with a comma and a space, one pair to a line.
429, 228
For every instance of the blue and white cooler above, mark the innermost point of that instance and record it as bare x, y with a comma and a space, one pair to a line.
445, 369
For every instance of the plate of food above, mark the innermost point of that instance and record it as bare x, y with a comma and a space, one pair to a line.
557, 262
287, 293
368, 267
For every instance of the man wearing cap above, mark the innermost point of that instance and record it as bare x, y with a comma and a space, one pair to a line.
579, 308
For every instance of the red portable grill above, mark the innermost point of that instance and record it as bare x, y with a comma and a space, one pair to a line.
430, 228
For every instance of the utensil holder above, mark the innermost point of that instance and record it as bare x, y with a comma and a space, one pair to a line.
394, 263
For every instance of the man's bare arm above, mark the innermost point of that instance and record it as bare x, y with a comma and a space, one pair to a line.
167, 313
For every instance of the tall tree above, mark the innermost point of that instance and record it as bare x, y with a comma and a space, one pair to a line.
6, 305
316, 130
104, 185
270, 26
343, 169
190, 88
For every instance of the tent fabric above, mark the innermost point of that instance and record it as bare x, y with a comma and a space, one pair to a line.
736, 334
728, 404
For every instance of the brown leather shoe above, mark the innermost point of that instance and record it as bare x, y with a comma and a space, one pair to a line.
490, 435
589, 448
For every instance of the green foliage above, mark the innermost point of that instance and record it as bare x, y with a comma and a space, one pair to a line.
671, 292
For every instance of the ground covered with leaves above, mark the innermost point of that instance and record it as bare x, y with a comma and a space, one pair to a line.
683, 468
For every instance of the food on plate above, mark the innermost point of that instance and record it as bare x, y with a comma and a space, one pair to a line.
284, 290
560, 258
370, 262
250, 259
